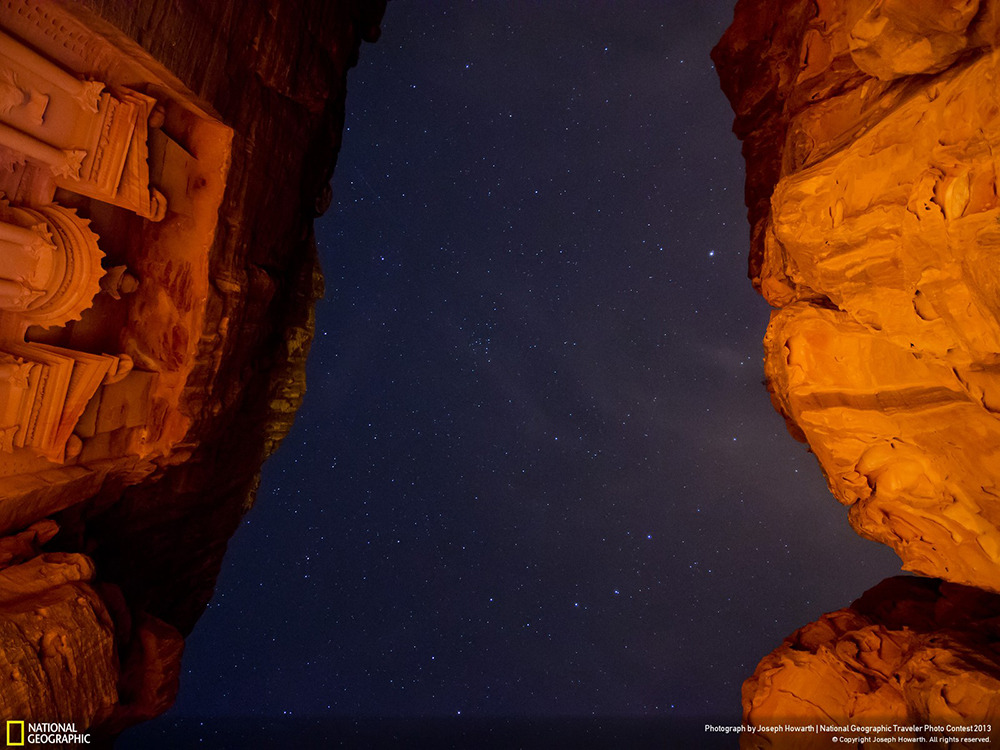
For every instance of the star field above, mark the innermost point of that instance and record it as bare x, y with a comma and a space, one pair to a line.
536, 473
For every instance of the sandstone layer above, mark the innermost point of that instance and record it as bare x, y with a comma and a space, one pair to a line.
870, 131
112, 531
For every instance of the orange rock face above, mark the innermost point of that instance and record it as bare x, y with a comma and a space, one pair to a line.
870, 130
910, 652
872, 184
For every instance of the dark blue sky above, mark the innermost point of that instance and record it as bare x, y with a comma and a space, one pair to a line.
536, 472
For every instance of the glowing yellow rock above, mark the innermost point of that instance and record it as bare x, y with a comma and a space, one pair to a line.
872, 182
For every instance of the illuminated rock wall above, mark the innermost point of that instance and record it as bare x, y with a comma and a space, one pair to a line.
870, 134
870, 130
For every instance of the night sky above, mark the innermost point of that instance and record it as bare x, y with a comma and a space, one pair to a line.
536, 473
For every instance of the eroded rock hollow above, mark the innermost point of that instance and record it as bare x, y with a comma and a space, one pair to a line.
161, 164
870, 130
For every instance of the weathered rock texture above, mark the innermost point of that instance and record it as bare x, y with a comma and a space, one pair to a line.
109, 559
870, 131
911, 651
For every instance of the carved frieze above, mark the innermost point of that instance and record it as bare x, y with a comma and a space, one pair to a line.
59, 130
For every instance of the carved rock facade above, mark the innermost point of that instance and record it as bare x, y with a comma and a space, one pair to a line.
160, 164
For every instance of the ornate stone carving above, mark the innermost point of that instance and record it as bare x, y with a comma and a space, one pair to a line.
118, 281
92, 140
14, 97
59, 266
90, 132
74, 150
77, 135
84, 93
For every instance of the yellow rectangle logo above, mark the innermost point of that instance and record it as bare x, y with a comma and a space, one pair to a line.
15, 733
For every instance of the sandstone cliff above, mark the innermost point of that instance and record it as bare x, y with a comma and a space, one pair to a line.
107, 564
869, 129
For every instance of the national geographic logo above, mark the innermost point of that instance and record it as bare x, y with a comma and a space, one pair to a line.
20, 733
